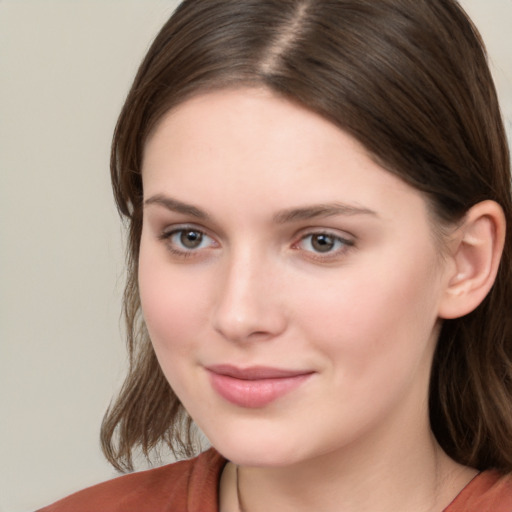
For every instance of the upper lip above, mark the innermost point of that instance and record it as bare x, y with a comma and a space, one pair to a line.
255, 372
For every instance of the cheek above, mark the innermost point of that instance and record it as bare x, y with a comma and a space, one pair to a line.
378, 319
171, 305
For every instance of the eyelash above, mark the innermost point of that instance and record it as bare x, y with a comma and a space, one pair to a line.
344, 244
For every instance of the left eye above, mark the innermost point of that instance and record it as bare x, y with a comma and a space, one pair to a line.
323, 243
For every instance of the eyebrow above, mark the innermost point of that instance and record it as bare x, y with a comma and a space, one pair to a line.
320, 211
176, 206
283, 217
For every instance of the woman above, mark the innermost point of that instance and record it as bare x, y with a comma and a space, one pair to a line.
318, 201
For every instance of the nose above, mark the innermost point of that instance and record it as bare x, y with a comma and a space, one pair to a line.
249, 305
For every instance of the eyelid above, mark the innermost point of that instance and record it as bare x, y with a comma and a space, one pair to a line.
170, 229
334, 232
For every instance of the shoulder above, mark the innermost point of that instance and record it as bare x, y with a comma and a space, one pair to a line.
489, 491
186, 486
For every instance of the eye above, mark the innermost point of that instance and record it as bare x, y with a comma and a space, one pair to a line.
324, 243
186, 240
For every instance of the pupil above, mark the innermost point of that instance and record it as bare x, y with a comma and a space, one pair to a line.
322, 243
191, 239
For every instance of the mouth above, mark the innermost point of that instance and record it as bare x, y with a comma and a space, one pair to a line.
254, 387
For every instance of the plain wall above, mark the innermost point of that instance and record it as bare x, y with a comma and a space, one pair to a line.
65, 69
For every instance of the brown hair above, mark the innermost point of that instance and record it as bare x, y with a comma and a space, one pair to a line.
409, 79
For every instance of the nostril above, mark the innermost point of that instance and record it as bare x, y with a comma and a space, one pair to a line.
255, 325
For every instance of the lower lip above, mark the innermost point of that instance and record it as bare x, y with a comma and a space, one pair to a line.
254, 393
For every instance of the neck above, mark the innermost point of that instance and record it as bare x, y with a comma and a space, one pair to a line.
418, 476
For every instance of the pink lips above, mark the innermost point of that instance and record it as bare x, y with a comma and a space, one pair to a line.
255, 386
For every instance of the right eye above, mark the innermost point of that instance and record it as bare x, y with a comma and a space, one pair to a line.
187, 240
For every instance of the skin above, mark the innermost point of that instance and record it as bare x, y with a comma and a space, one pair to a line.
244, 171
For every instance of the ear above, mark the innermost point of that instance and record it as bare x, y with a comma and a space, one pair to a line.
475, 252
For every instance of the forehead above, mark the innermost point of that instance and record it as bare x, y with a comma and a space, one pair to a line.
254, 120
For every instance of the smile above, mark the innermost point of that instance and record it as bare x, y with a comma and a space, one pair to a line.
254, 387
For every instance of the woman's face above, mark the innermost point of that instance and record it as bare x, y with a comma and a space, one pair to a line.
289, 284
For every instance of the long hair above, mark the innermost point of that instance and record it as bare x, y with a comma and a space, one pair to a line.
408, 79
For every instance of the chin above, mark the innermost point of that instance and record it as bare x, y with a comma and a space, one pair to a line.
258, 449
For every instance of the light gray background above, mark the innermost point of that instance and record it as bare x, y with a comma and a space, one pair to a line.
65, 69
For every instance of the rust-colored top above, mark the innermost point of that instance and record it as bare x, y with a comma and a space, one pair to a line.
193, 486
186, 486
489, 491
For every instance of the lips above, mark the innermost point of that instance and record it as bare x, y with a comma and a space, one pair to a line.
256, 386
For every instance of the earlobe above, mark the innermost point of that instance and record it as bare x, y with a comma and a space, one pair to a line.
476, 253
